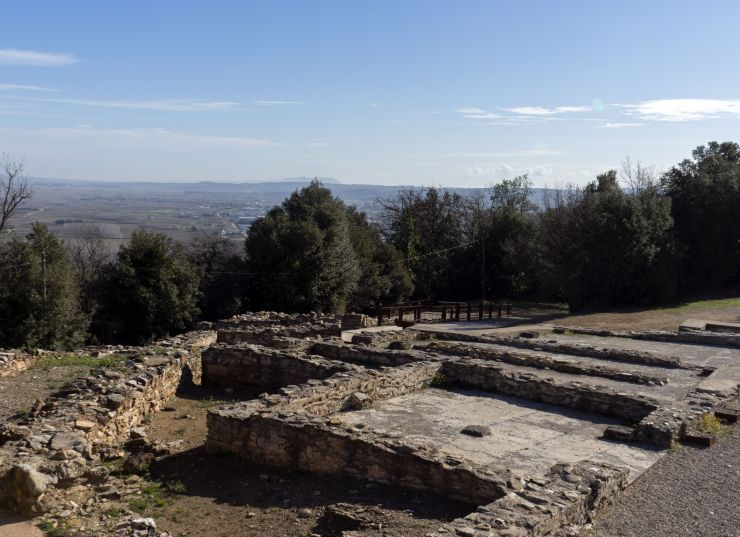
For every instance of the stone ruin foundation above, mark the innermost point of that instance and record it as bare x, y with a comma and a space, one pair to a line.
533, 433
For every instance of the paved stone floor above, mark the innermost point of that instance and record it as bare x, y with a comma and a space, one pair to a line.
526, 436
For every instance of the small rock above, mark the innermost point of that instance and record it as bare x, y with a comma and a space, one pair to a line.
114, 401
358, 401
65, 440
109, 492
529, 334
84, 425
138, 463
138, 432
476, 430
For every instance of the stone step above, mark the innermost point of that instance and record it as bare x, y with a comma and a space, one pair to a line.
729, 415
699, 439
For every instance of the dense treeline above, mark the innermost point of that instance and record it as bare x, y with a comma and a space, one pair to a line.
647, 241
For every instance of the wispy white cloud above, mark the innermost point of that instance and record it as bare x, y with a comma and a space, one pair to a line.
12, 56
161, 138
275, 103
542, 111
22, 87
573, 109
530, 111
477, 113
374, 105
505, 171
165, 105
684, 109
505, 154
519, 115
621, 125
318, 145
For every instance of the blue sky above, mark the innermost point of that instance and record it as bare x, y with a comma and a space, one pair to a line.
427, 92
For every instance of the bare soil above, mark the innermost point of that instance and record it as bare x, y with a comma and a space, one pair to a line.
19, 391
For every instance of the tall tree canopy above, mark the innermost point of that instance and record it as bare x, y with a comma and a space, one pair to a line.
222, 285
425, 225
313, 253
383, 278
39, 296
705, 191
603, 246
151, 291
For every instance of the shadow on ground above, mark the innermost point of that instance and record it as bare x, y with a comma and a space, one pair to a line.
228, 480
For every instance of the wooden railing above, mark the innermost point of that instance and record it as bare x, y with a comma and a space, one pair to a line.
444, 311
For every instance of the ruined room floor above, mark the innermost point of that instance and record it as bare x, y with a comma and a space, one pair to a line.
526, 436
19, 391
222, 497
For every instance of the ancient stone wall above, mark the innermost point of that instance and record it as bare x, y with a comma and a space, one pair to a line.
266, 335
537, 360
355, 321
301, 443
384, 338
273, 318
60, 444
253, 365
321, 398
363, 355
555, 504
14, 361
483, 375
618, 355
301, 428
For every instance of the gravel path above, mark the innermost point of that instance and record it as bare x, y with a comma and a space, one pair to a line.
690, 493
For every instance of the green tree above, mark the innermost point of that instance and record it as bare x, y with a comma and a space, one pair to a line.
300, 254
39, 296
384, 278
151, 291
223, 281
424, 225
603, 246
501, 223
705, 191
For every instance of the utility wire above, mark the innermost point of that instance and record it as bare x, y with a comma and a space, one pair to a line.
436, 252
